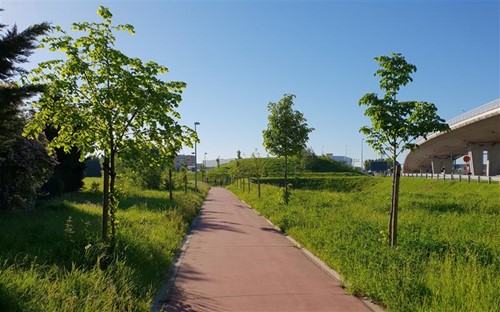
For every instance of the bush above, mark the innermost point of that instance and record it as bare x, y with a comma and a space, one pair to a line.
24, 170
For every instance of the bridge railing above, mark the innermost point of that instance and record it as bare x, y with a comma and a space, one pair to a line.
454, 177
475, 112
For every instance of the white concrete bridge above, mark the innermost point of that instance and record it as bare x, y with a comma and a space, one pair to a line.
475, 133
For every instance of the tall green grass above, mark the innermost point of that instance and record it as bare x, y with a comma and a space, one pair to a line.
52, 259
448, 253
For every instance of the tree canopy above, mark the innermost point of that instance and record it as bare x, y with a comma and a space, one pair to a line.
106, 103
287, 132
396, 124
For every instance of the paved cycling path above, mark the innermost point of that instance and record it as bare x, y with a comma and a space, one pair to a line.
236, 261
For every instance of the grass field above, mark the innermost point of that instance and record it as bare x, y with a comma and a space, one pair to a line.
448, 254
51, 259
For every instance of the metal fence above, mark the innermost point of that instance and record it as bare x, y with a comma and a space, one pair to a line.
455, 177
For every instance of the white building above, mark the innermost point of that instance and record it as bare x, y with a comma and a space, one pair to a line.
344, 159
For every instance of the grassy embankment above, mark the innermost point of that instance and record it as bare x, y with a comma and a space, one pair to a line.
51, 259
448, 254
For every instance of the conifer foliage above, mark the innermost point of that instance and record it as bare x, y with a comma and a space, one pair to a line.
24, 164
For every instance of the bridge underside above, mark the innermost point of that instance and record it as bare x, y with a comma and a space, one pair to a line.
473, 139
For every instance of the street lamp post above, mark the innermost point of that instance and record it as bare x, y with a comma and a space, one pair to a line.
195, 161
205, 168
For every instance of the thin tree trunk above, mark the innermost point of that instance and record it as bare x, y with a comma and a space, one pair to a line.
112, 199
248, 184
170, 189
258, 186
394, 232
392, 202
286, 175
105, 199
185, 183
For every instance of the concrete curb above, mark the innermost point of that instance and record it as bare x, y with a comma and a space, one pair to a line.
334, 274
162, 296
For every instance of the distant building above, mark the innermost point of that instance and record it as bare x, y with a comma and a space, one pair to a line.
344, 159
183, 160
379, 166
210, 164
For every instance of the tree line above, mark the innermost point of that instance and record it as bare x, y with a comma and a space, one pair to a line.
96, 101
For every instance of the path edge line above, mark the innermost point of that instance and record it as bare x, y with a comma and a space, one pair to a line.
318, 262
163, 295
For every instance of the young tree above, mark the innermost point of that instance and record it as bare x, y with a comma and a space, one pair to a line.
104, 102
396, 124
24, 164
258, 169
287, 132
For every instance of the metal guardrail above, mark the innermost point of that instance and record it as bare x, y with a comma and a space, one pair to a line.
475, 112
454, 177
472, 113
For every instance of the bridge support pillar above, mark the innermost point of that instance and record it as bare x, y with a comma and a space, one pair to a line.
476, 154
493, 159
438, 164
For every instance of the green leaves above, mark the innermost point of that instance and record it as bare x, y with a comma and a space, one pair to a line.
102, 100
394, 73
287, 132
396, 124
104, 13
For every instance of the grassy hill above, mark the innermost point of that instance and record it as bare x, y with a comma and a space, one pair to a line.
275, 167
448, 253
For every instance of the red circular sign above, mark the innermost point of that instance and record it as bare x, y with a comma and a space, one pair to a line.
466, 158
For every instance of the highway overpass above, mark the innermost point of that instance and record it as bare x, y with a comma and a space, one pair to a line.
475, 133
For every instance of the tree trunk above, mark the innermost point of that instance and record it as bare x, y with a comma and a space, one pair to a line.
248, 184
392, 203
170, 189
258, 186
395, 204
105, 199
286, 175
185, 183
112, 199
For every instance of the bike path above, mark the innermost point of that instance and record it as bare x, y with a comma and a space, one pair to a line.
236, 261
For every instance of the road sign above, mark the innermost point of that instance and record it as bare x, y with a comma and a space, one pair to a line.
466, 158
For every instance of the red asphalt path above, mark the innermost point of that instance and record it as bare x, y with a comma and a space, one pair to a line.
236, 261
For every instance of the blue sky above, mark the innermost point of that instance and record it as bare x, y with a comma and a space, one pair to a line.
237, 56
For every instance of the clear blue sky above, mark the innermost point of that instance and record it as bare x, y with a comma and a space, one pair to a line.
236, 56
